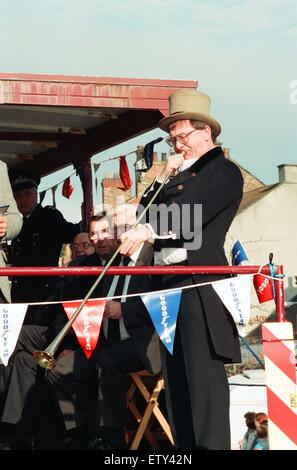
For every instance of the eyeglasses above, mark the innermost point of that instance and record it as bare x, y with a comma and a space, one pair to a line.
83, 245
182, 138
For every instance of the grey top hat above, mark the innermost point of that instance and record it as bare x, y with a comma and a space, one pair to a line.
190, 104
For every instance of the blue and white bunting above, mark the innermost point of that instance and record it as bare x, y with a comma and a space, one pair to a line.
11, 320
235, 293
239, 254
163, 309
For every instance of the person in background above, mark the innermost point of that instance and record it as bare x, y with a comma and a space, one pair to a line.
40, 241
198, 204
81, 246
250, 435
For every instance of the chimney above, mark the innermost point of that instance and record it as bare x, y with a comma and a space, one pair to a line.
155, 156
226, 151
163, 157
287, 173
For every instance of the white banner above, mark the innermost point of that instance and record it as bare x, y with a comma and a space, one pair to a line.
235, 293
11, 320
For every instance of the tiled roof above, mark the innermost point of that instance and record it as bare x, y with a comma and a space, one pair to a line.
251, 197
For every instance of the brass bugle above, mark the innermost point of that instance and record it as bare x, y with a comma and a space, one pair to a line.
46, 358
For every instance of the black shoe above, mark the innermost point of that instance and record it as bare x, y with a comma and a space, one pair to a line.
23, 443
5, 444
70, 443
7, 432
98, 443
79, 438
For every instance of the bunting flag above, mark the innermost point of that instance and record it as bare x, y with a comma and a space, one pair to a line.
140, 165
264, 288
81, 174
163, 309
139, 152
144, 157
96, 167
239, 255
87, 325
124, 173
11, 318
148, 153
42, 196
54, 189
235, 293
67, 188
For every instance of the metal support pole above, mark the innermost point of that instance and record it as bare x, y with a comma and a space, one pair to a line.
280, 297
88, 191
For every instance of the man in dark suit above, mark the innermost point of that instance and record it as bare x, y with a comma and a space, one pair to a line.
130, 345
201, 178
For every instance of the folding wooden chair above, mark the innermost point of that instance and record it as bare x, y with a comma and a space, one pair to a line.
152, 408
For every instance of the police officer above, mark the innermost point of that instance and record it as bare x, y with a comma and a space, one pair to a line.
40, 240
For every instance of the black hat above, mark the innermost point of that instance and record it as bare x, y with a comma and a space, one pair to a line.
23, 179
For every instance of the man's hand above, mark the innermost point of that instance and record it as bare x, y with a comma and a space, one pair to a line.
3, 226
112, 310
134, 237
174, 162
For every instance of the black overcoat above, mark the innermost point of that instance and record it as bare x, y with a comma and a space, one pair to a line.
216, 183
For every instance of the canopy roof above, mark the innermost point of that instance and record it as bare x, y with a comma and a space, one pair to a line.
50, 121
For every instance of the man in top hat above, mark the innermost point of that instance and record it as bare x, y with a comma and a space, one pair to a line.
201, 179
39, 242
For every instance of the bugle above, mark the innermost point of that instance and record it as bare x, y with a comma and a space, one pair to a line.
46, 358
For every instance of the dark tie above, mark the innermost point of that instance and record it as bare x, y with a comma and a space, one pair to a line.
113, 329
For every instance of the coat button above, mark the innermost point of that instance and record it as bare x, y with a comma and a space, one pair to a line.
180, 187
193, 173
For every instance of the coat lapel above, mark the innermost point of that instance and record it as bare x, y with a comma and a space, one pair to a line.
145, 255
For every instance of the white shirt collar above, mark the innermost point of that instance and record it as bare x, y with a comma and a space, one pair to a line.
135, 255
188, 163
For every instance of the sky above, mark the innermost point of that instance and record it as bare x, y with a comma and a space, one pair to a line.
243, 54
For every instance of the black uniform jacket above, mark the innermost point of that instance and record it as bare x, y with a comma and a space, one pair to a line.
216, 183
39, 244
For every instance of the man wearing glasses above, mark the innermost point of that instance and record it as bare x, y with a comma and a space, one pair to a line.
81, 246
201, 178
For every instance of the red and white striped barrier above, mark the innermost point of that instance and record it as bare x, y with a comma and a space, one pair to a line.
280, 366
